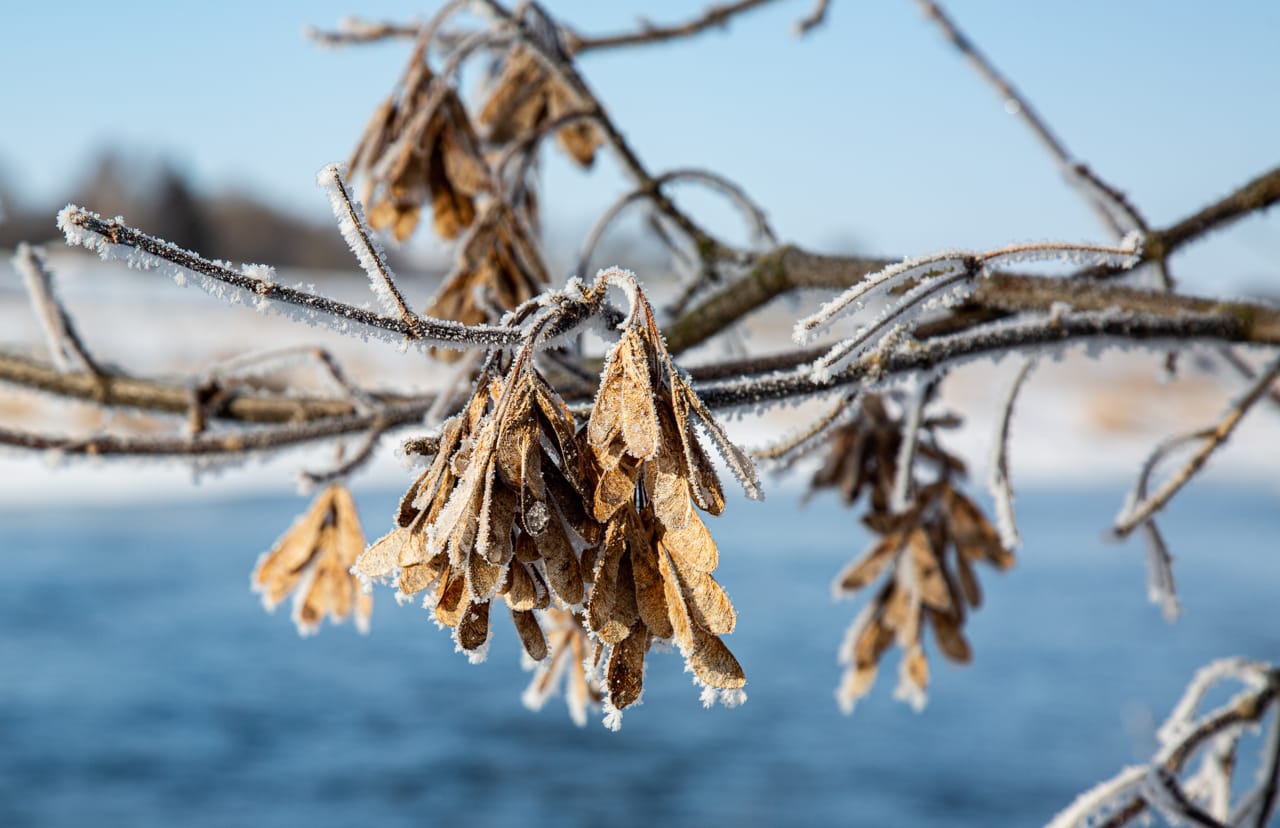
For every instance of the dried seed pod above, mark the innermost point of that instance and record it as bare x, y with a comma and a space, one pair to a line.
929, 549
526, 96
418, 147
313, 560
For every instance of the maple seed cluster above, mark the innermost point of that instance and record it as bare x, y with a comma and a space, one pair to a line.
926, 553
312, 560
593, 529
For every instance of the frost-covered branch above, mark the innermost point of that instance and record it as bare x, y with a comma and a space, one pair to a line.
355, 31
234, 443
1120, 800
1143, 508
113, 239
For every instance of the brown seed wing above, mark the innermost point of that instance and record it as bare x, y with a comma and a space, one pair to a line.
530, 632
865, 570
606, 413
708, 604
278, 570
714, 664
450, 607
626, 667
417, 577
349, 537
497, 518
561, 564
651, 600
930, 579
473, 626
381, 559
482, 577
521, 594
604, 577
950, 638
693, 546
623, 613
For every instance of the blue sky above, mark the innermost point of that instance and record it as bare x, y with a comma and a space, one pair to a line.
869, 134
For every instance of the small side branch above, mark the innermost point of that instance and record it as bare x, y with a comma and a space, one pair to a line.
1145, 508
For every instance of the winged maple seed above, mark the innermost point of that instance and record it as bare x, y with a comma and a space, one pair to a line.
926, 555
652, 574
419, 146
526, 97
312, 560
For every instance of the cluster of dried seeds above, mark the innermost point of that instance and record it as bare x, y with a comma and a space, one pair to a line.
420, 147
589, 533
526, 97
652, 577
926, 553
313, 559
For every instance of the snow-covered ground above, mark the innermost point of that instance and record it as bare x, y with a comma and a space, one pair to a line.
1079, 418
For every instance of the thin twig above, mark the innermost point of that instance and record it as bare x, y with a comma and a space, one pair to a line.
998, 479
815, 18
647, 33
60, 332
1212, 440
1112, 207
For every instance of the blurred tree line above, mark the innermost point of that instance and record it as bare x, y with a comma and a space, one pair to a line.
154, 193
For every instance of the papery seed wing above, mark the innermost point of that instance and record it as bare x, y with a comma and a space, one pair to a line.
706, 600
625, 672
561, 564
295, 548
451, 606
693, 546
968, 582
738, 461
704, 483
623, 613
615, 488
407, 510
606, 413
916, 667
950, 638
473, 626
604, 578
559, 425
974, 536
865, 570
533, 489
521, 594
379, 561
639, 417
419, 576
414, 548
531, 635
668, 490
348, 536
681, 624
526, 549
651, 599
497, 518
714, 664
930, 580
482, 577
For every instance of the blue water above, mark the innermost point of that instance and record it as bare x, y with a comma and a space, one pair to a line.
141, 683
